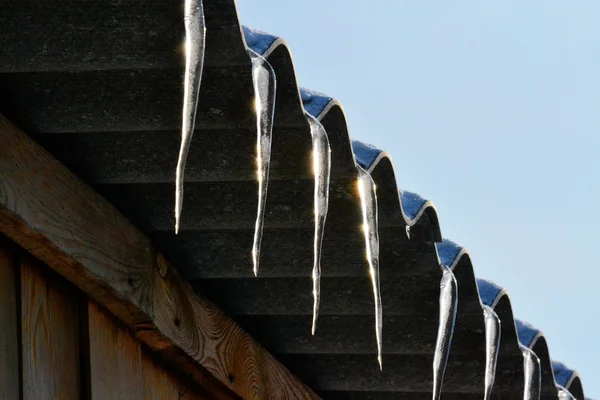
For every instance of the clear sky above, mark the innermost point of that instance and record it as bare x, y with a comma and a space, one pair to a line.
491, 110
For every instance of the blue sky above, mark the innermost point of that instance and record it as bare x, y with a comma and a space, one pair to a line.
491, 110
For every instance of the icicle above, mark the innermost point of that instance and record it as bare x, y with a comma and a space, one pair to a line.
492, 347
408, 231
195, 38
448, 307
533, 374
263, 80
368, 201
322, 171
564, 394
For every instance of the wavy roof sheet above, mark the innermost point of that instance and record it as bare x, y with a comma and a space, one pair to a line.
102, 92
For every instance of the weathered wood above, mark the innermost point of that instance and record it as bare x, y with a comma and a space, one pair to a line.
49, 331
115, 359
48, 211
158, 384
121, 369
9, 324
162, 385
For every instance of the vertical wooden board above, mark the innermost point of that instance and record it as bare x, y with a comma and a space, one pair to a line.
9, 324
158, 384
115, 359
49, 334
162, 385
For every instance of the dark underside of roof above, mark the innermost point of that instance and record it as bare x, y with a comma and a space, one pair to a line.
99, 85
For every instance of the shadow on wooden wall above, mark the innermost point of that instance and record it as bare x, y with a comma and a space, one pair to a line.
57, 344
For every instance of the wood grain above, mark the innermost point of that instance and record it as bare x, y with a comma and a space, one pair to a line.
160, 384
50, 334
115, 359
52, 214
9, 324
121, 368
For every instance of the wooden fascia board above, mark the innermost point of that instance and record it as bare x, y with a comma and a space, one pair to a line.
48, 211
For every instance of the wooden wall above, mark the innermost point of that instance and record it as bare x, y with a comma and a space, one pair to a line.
56, 344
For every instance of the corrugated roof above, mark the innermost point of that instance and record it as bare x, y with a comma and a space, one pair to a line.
99, 85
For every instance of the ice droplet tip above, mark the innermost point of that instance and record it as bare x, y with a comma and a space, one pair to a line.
255, 262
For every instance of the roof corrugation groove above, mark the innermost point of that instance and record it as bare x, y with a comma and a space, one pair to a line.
99, 85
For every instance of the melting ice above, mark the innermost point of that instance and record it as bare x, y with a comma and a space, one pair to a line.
368, 201
263, 80
564, 394
195, 38
448, 307
533, 374
492, 347
322, 171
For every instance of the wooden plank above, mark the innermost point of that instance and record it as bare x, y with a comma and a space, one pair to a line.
51, 213
162, 385
9, 339
121, 369
158, 384
50, 334
115, 359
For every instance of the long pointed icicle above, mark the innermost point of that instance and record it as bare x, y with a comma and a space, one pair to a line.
492, 347
448, 307
564, 394
322, 172
368, 201
263, 80
533, 375
195, 39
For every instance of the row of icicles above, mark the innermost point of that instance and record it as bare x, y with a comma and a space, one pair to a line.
264, 82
